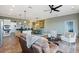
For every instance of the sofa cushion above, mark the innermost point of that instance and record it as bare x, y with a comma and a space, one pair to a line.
36, 48
53, 47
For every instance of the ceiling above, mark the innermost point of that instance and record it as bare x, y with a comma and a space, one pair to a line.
36, 11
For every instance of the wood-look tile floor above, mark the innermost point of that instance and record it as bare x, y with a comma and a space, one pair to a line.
66, 47
77, 46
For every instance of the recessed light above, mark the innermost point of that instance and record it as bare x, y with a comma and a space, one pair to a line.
11, 9
24, 21
72, 7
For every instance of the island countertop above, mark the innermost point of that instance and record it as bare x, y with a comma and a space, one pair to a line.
10, 45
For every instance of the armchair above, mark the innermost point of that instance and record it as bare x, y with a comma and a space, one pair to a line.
69, 37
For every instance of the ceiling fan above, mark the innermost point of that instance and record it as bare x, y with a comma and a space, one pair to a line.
54, 8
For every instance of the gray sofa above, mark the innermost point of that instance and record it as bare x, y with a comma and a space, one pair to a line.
36, 48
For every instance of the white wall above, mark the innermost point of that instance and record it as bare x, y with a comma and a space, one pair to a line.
58, 23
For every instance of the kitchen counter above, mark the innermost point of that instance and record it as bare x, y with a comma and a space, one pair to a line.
10, 45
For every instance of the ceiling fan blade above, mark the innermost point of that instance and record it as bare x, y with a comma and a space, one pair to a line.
58, 6
57, 10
